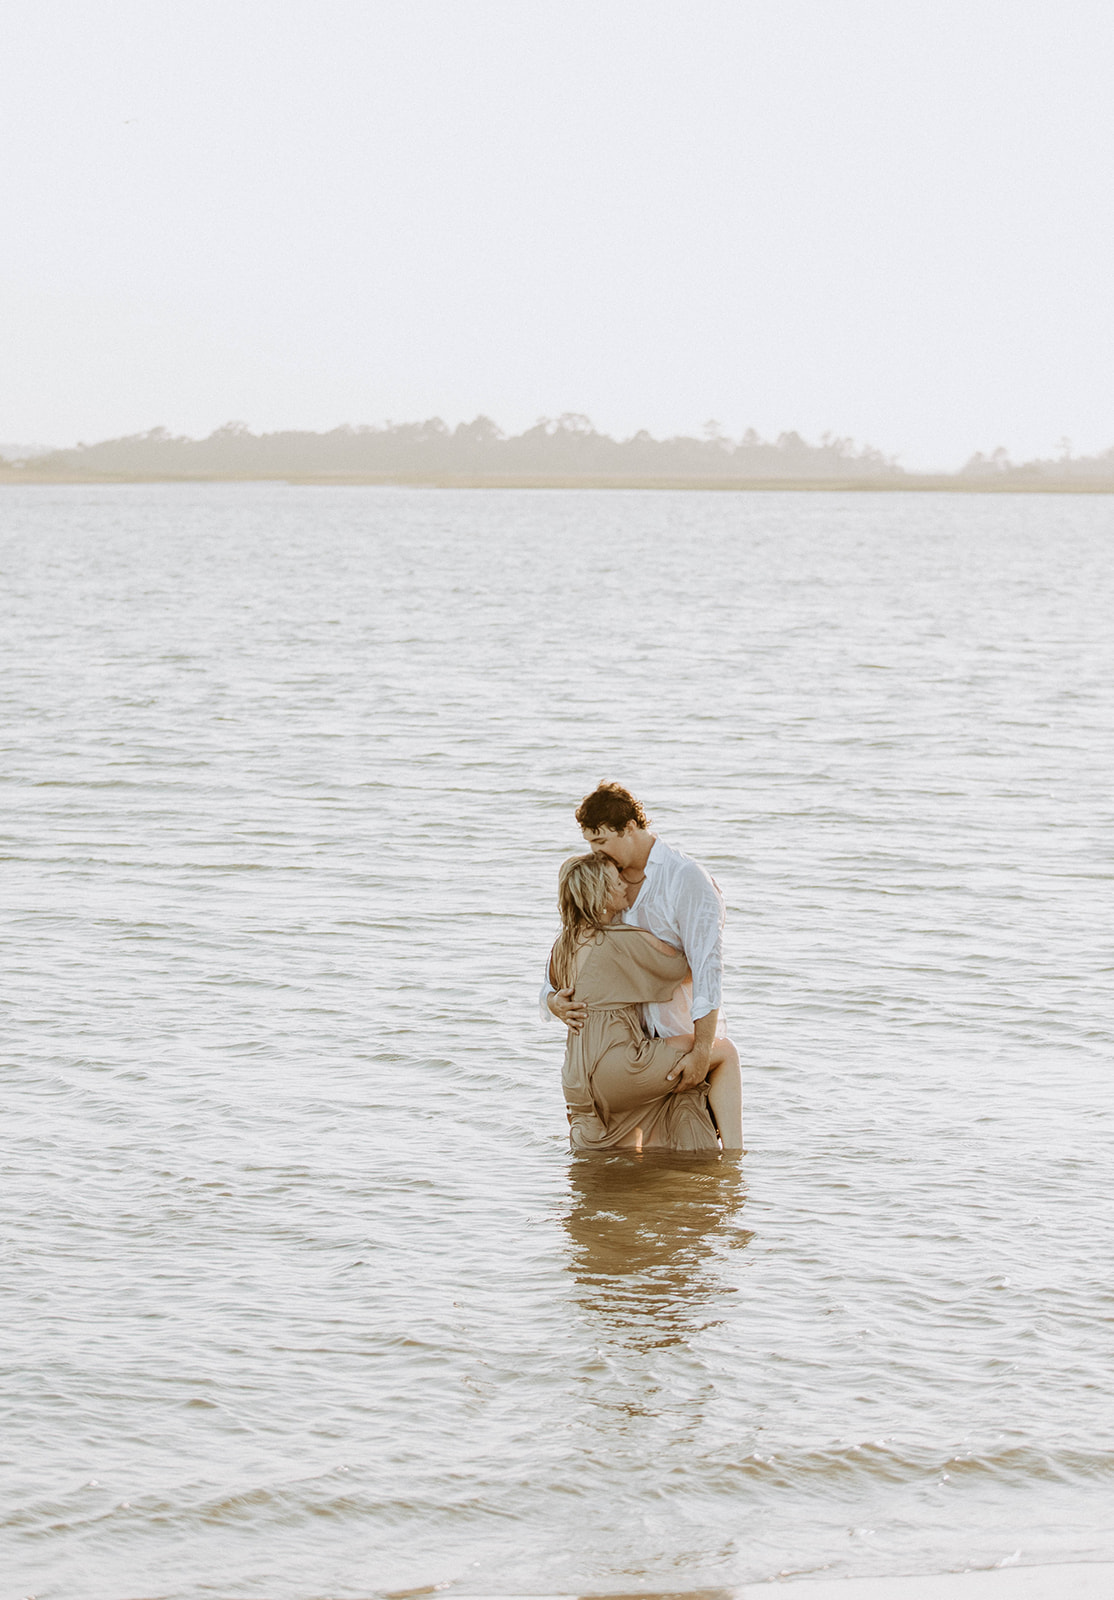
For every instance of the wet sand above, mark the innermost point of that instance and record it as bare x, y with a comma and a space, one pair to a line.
1074, 1581
1084, 1580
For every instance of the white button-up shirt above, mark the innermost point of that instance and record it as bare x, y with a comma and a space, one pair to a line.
680, 903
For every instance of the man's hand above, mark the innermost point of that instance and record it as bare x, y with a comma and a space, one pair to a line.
693, 1068
567, 1010
690, 1070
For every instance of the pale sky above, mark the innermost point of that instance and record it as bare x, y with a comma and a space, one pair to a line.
891, 219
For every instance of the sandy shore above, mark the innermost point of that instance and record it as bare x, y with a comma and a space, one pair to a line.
1075, 1581
1083, 1580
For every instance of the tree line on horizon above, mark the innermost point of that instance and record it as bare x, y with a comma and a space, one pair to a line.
567, 446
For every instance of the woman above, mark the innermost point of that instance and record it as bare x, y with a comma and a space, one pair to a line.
617, 1082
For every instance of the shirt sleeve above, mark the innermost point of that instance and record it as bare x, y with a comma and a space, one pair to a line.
544, 993
700, 924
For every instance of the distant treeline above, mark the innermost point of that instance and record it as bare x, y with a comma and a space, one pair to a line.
1066, 468
567, 447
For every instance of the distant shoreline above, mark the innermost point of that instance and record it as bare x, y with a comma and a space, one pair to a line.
910, 484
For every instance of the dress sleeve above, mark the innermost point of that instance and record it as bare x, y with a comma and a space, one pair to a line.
700, 923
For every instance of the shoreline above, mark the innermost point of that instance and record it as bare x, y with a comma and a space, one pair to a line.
926, 484
1075, 1580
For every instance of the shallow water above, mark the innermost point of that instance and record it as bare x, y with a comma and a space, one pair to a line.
303, 1293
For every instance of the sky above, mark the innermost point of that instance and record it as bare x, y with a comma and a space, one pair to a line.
888, 219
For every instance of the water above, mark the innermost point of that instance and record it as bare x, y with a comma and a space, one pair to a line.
303, 1295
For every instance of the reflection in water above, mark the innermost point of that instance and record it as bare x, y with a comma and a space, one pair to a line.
643, 1232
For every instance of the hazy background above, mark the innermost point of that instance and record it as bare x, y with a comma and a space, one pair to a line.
889, 220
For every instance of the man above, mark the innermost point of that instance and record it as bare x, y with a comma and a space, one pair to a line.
673, 897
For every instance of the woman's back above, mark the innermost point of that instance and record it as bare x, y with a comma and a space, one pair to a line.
625, 966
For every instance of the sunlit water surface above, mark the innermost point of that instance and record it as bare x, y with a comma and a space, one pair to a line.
303, 1295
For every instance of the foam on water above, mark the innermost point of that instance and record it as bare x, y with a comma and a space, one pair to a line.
302, 1292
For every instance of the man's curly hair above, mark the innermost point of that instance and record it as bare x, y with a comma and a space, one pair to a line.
610, 806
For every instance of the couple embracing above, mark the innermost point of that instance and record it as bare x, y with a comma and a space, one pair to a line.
636, 977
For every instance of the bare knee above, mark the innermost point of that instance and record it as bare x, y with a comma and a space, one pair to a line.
724, 1054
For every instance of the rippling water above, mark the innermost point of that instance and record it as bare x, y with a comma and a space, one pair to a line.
303, 1294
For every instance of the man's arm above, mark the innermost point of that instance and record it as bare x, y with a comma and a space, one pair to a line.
700, 923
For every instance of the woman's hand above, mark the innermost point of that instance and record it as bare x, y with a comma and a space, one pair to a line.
567, 1010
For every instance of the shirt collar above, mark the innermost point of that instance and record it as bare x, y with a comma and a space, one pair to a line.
656, 849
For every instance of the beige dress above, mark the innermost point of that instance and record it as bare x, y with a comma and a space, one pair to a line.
614, 1077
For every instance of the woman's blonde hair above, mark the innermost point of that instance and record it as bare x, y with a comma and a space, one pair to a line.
582, 889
